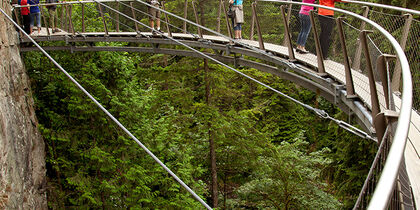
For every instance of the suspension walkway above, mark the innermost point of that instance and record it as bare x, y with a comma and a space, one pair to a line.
364, 91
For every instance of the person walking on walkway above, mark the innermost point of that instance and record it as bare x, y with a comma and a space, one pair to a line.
51, 11
24, 11
326, 21
35, 15
238, 20
154, 15
305, 26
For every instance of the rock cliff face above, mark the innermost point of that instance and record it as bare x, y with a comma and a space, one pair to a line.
22, 155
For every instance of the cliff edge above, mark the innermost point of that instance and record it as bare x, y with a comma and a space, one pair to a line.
22, 150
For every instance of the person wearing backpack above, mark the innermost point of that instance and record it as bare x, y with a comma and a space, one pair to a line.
154, 15
238, 20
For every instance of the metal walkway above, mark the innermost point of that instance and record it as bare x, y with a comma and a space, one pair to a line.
328, 76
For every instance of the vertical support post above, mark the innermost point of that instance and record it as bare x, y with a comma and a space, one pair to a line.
251, 36
134, 17
167, 20
62, 15
117, 18
287, 35
358, 54
289, 14
185, 16
372, 84
197, 20
67, 19
41, 10
349, 78
83, 18
381, 67
320, 59
260, 38
18, 21
70, 19
227, 22
396, 77
219, 13
103, 20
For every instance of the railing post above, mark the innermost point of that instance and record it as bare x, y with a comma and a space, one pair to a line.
251, 36
134, 17
197, 20
185, 16
320, 59
18, 21
227, 22
381, 120
83, 18
260, 38
70, 19
381, 67
396, 77
372, 84
67, 19
289, 12
349, 78
219, 13
358, 54
167, 20
117, 18
287, 35
103, 19
63, 12
41, 10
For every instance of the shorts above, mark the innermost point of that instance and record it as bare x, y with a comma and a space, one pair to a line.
36, 16
237, 27
154, 13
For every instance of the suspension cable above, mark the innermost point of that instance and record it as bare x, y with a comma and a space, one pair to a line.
108, 113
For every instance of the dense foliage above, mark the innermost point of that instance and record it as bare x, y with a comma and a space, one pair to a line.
270, 152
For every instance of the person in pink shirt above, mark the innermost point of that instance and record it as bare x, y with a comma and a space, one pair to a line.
305, 26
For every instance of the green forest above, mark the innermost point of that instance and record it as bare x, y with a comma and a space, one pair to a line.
235, 143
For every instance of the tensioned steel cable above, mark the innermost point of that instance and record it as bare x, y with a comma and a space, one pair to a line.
108, 113
319, 112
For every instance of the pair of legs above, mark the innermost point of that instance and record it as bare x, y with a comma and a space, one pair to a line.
237, 29
327, 25
26, 23
33, 17
154, 16
305, 24
52, 20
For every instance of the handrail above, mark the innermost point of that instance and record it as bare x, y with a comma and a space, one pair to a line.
401, 9
385, 185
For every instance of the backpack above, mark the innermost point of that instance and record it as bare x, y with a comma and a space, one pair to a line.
231, 13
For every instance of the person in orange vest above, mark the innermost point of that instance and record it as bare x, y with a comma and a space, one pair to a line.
326, 21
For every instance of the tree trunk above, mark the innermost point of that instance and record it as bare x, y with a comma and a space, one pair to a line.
211, 141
